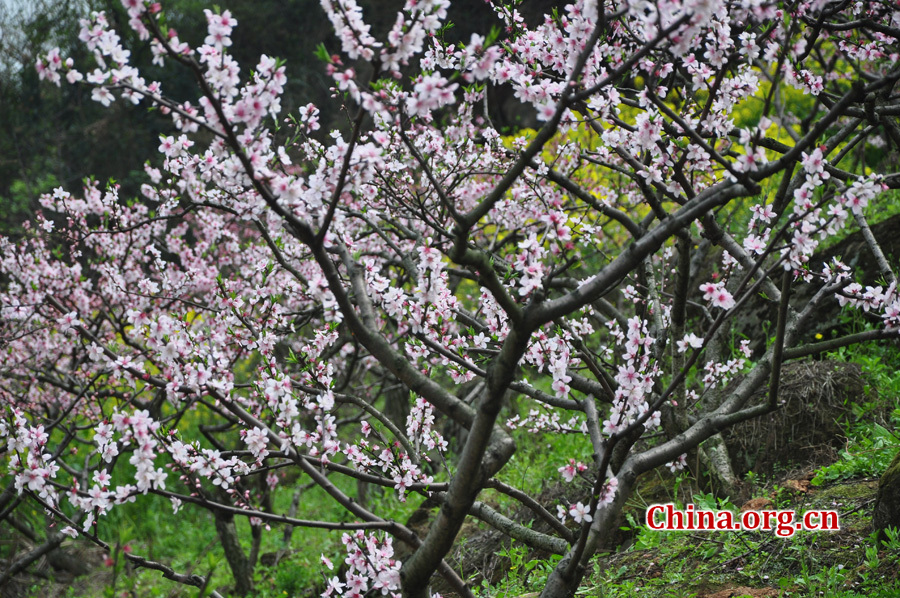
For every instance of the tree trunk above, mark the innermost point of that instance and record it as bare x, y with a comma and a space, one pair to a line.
234, 554
715, 457
887, 501
563, 582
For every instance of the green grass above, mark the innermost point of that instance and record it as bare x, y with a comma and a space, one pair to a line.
870, 449
842, 564
872, 437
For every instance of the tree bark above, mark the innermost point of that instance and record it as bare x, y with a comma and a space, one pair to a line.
715, 457
234, 554
887, 501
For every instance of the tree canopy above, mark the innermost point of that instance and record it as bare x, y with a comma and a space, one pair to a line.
395, 301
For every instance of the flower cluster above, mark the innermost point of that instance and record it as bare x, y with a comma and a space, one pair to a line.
635, 379
372, 567
389, 461
571, 469
420, 427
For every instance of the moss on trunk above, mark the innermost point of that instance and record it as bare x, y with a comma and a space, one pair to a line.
887, 502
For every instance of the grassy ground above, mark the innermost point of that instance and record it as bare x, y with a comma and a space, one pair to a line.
844, 563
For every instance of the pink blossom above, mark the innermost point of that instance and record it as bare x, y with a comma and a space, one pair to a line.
717, 295
580, 513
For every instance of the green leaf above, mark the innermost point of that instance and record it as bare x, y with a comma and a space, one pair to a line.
322, 53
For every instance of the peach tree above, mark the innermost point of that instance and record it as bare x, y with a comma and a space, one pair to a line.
363, 303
